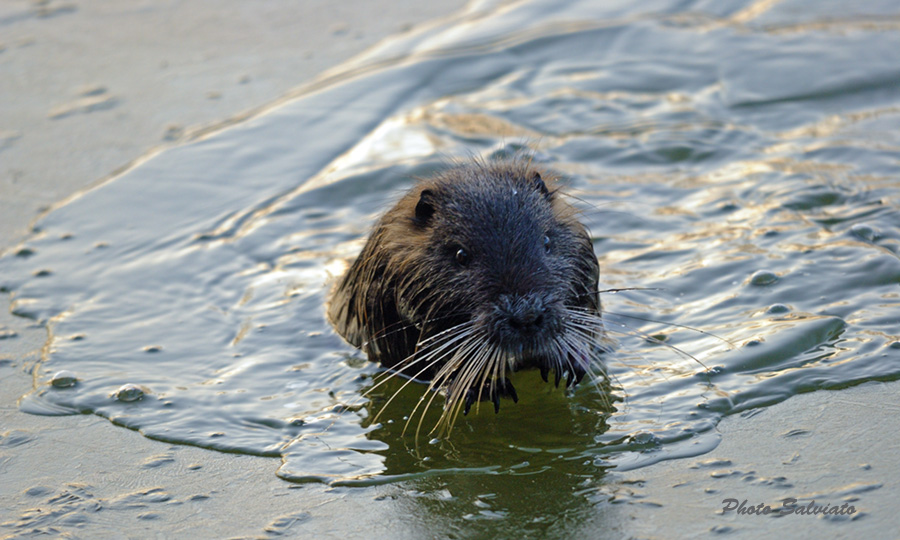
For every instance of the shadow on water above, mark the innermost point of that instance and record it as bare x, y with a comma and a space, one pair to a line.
545, 429
749, 194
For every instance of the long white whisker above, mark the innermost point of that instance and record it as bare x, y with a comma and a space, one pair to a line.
430, 358
459, 388
446, 371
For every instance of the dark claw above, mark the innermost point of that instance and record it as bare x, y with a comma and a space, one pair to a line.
579, 375
509, 391
576, 373
545, 372
470, 400
492, 391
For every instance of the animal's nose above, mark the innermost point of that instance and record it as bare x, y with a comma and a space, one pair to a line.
525, 315
527, 320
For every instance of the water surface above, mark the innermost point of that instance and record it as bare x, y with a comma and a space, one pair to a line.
736, 161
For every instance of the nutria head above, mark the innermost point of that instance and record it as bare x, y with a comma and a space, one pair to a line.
480, 269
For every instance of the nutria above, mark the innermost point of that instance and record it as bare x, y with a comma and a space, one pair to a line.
481, 269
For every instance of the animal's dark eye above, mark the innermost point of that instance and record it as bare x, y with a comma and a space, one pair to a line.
462, 257
546, 243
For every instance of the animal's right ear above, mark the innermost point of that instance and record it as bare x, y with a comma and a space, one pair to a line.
540, 185
425, 207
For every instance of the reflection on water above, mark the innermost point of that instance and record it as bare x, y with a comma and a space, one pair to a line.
736, 161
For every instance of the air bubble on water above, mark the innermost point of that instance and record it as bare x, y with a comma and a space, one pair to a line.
644, 437
864, 231
63, 379
129, 392
762, 278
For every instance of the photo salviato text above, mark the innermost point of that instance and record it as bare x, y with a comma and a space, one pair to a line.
788, 506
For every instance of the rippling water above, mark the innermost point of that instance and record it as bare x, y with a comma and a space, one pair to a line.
737, 161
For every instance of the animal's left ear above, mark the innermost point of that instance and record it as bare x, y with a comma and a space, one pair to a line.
540, 185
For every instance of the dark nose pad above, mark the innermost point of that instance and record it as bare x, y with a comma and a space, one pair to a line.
527, 321
525, 315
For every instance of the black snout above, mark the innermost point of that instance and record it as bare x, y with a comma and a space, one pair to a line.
526, 318
523, 319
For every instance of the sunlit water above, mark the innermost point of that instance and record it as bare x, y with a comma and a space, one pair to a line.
738, 162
